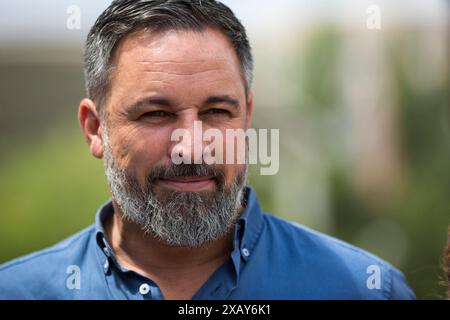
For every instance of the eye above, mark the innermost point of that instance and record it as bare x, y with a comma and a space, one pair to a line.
156, 114
217, 111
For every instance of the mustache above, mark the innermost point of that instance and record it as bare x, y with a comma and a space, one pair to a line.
185, 170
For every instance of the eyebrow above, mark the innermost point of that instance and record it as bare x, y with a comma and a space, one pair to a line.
157, 101
167, 103
222, 99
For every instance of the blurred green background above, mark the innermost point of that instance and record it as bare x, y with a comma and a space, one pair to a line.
364, 119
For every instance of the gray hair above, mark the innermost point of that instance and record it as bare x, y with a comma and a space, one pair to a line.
123, 17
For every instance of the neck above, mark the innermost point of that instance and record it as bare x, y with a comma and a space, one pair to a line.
136, 249
178, 271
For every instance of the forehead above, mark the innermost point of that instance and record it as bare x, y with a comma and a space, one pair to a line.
162, 59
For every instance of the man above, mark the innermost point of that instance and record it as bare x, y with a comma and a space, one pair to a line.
186, 230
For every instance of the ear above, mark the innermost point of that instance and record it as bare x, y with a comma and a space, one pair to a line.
90, 126
249, 109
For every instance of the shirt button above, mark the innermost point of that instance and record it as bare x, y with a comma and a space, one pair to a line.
144, 289
106, 251
106, 266
245, 252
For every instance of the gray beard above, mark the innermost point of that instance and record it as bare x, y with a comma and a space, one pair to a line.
176, 218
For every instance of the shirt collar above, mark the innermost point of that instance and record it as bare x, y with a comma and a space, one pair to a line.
246, 232
250, 224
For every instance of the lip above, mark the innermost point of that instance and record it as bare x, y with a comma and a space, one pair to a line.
188, 183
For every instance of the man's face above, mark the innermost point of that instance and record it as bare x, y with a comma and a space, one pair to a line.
162, 82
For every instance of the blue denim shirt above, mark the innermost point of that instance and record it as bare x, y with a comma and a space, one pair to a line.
271, 259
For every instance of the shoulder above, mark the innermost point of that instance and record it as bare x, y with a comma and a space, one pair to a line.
325, 256
35, 274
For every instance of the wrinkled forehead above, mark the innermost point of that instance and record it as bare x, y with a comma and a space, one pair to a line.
181, 52
181, 66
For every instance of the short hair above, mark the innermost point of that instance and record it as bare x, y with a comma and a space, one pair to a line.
123, 17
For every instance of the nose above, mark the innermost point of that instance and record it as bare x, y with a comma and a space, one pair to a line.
187, 141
